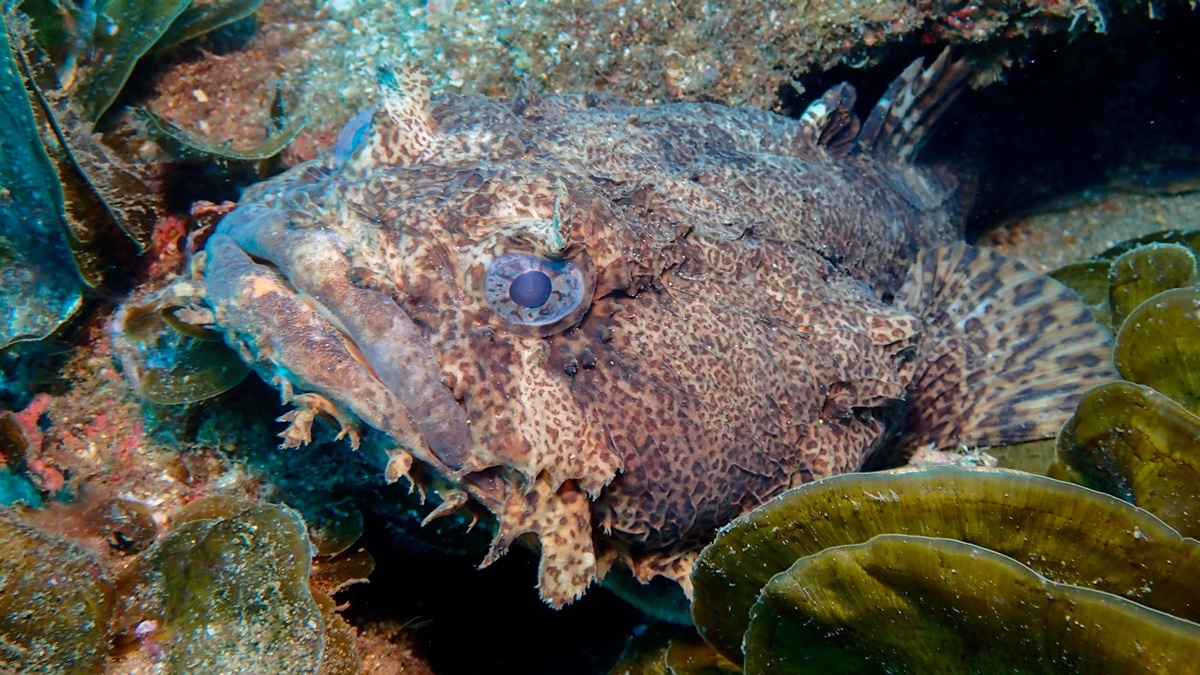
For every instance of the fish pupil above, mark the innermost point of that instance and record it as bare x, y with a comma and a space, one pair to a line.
530, 289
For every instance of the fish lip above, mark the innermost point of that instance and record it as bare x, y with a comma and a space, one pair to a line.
404, 363
390, 342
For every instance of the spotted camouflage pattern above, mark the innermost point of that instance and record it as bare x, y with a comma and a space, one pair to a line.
738, 334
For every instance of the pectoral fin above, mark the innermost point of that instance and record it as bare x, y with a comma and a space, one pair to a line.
1007, 353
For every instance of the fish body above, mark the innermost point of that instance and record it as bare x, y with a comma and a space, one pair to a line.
618, 327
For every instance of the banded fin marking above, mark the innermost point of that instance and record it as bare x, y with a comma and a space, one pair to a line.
899, 123
830, 122
1007, 352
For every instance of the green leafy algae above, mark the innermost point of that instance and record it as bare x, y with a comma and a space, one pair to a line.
1159, 346
235, 594
1090, 280
1068, 533
1141, 446
930, 606
181, 144
96, 47
1146, 271
671, 650
39, 288
203, 16
55, 604
1188, 238
169, 366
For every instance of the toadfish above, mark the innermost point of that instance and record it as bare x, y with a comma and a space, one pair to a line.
617, 328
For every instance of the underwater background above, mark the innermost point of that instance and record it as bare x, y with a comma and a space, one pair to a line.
165, 509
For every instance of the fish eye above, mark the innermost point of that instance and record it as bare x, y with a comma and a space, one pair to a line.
531, 291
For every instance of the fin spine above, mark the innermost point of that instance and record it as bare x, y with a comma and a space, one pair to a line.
900, 122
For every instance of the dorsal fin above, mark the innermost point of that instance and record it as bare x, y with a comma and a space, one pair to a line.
401, 130
829, 122
901, 120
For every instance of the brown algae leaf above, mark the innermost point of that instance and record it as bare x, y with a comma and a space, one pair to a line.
1159, 346
179, 143
1146, 271
168, 366
1066, 532
1139, 445
341, 655
332, 574
1031, 456
109, 38
55, 604
918, 605
39, 286
235, 595
671, 650
1090, 280
202, 16
333, 527
1188, 238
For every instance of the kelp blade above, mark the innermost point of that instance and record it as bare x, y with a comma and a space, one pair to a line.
1069, 533
39, 286
924, 606
1141, 446
203, 16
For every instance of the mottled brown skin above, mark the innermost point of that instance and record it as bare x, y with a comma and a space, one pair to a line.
736, 337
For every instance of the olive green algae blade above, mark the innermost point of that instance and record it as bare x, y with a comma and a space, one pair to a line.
667, 649
1139, 445
236, 595
910, 605
1159, 346
1145, 272
181, 144
203, 16
39, 286
169, 367
55, 604
124, 31
1069, 533
1090, 280
1188, 238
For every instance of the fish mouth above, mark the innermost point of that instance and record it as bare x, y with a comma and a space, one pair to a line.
405, 364
391, 346
377, 330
